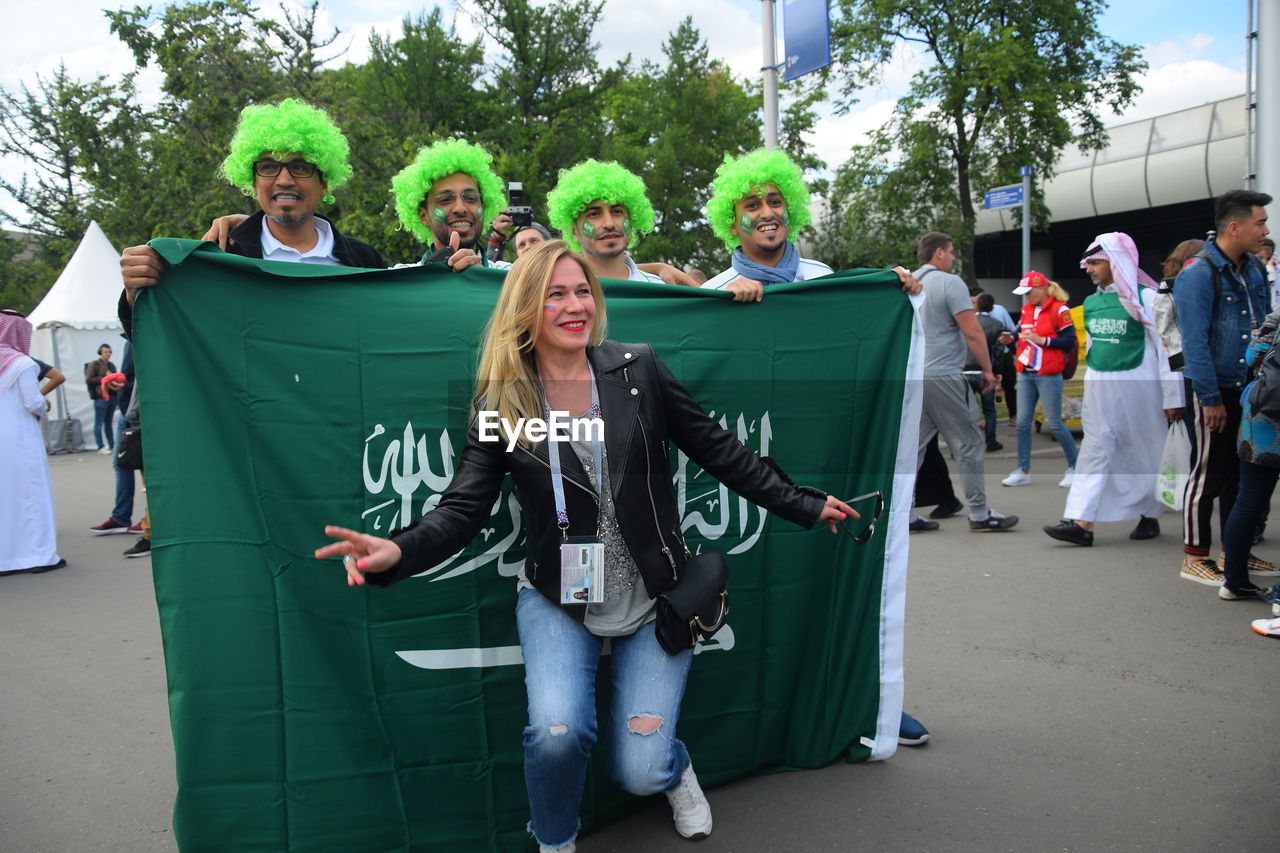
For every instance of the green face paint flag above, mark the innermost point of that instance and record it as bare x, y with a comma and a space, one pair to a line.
308, 715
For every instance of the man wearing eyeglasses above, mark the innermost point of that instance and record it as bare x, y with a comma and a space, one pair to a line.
288, 156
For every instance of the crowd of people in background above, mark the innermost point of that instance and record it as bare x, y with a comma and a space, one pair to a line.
1191, 363
1137, 379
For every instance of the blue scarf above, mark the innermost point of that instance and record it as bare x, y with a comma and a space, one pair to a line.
785, 270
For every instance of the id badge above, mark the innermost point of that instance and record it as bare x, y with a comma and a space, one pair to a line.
581, 570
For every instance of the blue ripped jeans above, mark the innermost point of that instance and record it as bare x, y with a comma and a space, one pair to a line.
560, 660
1033, 387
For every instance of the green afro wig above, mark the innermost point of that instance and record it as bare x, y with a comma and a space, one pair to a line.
411, 186
589, 180
738, 177
289, 127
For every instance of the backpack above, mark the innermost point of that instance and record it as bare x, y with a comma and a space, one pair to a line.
1166, 313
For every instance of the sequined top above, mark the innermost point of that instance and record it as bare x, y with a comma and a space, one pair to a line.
627, 605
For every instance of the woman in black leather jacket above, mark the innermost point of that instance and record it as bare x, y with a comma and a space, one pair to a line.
544, 353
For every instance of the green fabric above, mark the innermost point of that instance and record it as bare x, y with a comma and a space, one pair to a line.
279, 397
1116, 340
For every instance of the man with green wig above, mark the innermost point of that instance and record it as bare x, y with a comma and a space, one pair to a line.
600, 208
448, 197
289, 156
756, 199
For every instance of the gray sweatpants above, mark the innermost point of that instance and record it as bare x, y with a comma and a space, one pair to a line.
950, 410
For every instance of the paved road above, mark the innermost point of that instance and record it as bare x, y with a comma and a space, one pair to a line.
1079, 699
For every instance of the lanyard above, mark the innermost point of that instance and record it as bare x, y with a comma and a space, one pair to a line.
553, 455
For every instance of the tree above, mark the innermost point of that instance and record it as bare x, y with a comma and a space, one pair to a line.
78, 140
672, 123
1007, 84
547, 88
20, 278
413, 90
216, 58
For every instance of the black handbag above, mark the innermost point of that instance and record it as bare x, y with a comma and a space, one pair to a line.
129, 449
1264, 395
696, 606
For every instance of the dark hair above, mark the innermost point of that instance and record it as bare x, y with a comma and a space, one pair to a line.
1268, 242
102, 347
931, 243
986, 302
1235, 205
535, 226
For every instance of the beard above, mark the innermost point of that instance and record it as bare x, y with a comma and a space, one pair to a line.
604, 255
289, 220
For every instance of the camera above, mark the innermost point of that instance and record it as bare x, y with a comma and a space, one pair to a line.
521, 214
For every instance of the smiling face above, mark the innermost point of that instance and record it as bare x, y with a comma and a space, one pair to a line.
568, 310
453, 206
603, 229
287, 200
761, 221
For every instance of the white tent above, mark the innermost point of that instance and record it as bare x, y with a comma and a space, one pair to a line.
77, 316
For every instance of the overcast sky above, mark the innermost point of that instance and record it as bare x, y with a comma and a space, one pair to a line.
1194, 56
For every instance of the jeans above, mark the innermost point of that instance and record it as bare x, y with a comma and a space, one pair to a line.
123, 512
1253, 499
1033, 387
988, 405
560, 660
102, 423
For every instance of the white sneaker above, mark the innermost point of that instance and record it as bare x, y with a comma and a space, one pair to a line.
568, 848
689, 807
1267, 627
1017, 478
1068, 477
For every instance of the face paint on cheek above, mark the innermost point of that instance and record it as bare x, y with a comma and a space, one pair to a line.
784, 218
548, 308
589, 230
746, 223
438, 214
480, 213
626, 227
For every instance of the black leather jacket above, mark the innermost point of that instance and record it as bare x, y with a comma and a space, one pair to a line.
643, 407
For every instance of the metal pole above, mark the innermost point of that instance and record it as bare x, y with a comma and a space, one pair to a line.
1026, 218
1250, 104
770, 71
1266, 164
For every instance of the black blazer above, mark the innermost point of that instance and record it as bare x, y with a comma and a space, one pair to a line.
246, 241
643, 407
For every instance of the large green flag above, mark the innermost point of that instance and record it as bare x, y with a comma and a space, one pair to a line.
311, 716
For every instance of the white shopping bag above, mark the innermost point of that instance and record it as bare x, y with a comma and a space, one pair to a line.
1175, 466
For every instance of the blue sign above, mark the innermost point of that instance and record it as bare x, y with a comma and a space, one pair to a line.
1010, 196
806, 37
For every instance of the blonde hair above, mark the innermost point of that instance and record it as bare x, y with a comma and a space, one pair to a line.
507, 378
1056, 292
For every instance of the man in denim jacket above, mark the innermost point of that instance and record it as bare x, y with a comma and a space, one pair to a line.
1215, 334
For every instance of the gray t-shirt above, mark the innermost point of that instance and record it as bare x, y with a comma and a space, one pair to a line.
627, 605
945, 349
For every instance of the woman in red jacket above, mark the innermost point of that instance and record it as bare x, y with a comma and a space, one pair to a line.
1046, 334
